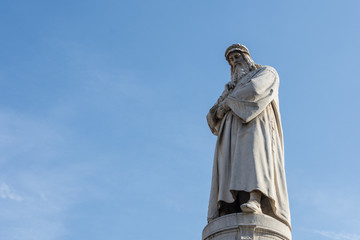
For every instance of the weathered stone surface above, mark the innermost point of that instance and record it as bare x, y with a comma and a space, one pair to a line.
248, 169
243, 226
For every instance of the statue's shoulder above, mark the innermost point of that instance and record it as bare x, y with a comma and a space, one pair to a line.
269, 69
266, 72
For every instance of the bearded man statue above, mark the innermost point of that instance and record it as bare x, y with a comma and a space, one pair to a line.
248, 171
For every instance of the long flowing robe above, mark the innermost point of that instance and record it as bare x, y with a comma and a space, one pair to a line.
249, 152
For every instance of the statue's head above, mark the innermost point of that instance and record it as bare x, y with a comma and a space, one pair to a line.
238, 56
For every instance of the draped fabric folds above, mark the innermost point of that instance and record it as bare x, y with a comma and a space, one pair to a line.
249, 152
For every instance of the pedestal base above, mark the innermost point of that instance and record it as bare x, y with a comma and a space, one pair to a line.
244, 226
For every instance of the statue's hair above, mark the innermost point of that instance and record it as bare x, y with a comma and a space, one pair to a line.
252, 65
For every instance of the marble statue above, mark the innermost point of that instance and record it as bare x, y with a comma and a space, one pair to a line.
248, 171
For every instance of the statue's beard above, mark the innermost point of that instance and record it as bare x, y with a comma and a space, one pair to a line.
239, 72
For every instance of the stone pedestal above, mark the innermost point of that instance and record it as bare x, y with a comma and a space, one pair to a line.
244, 226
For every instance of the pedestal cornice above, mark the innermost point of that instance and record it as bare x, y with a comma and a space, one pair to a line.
243, 226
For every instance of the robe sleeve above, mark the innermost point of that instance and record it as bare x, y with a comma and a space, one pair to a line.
250, 99
214, 122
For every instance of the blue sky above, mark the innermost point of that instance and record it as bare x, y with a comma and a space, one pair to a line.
102, 113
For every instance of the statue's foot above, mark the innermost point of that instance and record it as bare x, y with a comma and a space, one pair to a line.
251, 207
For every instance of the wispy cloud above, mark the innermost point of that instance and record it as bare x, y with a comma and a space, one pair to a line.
7, 193
339, 236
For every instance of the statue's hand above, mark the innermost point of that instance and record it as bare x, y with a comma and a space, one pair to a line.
230, 85
220, 99
222, 109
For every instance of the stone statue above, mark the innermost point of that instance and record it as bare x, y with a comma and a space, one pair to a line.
248, 171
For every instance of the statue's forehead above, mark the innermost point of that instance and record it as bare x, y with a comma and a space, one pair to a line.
234, 52
236, 47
